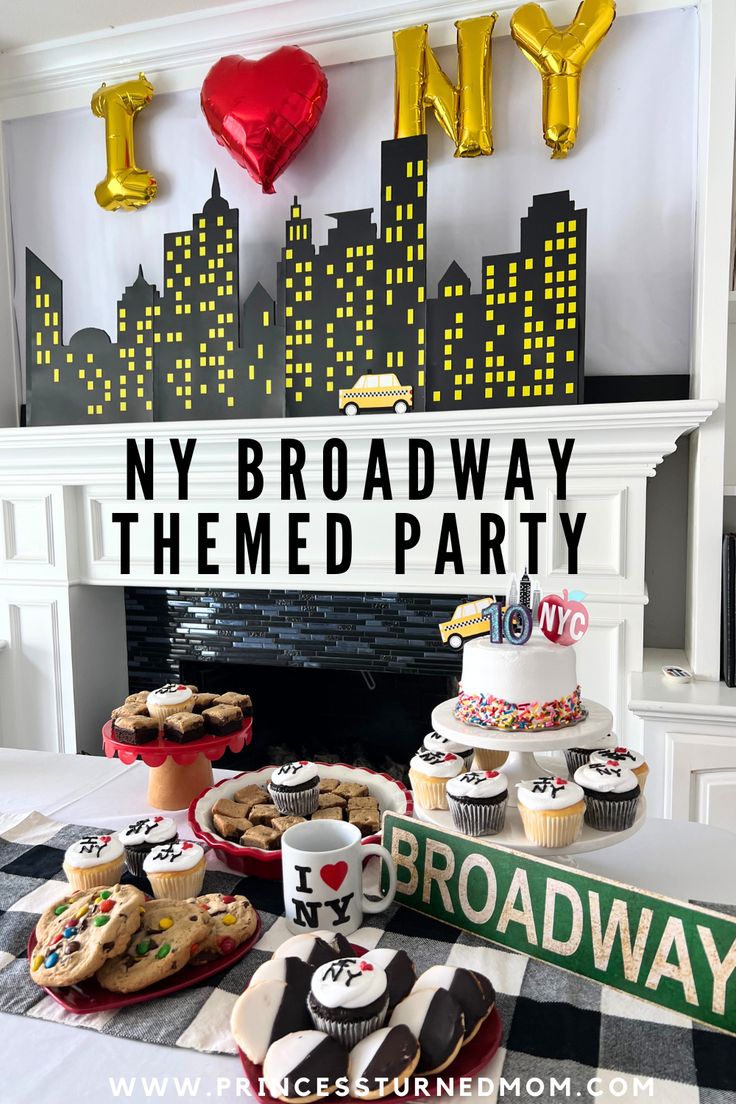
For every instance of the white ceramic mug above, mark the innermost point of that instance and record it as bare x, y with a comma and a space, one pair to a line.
322, 872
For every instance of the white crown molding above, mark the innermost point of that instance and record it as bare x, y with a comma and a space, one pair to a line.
176, 52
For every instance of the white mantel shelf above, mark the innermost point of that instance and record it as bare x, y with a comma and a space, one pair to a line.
632, 438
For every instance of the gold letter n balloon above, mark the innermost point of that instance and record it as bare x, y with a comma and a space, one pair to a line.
463, 110
125, 185
559, 53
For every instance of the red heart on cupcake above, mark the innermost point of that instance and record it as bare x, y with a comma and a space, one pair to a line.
334, 874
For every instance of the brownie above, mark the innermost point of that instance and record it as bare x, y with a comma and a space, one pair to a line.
281, 823
352, 789
362, 803
263, 814
203, 701
242, 701
183, 727
261, 836
327, 785
190, 686
140, 696
250, 796
228, 808
129, 709
221, 719
230, 827
135, 730
365, 819
327, 814
331, 801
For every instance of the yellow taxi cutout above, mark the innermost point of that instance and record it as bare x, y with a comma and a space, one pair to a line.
466, 621
376, 392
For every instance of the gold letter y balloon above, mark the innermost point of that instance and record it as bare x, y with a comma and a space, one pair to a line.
125, 185
559, 53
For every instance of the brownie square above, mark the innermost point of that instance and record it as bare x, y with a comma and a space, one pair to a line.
331, 801
327, 814
203, 701
261, 836
222, 719
327, 785
228, 808
140, 696
183, 727
281, 823
365, 819
263, 814
129, 709
242, 701
250, 796
230, 827
134, 730
352, 789
362, 803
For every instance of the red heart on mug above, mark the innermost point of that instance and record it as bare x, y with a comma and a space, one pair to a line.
334, 874
264, 111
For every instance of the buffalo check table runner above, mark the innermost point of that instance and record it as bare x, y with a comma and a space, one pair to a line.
555, 1025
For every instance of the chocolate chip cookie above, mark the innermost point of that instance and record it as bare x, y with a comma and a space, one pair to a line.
170, 934
232, 920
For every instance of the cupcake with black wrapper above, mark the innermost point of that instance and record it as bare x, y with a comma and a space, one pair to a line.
348, 999
434, 742
477, 801
140, 838
576, 757
612, 795
294, 788
625, 757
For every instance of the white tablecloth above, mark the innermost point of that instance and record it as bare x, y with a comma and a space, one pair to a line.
45, 1061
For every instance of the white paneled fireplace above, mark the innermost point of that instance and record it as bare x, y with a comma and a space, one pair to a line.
64, 660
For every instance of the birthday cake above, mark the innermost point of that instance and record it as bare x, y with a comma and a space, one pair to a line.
517, 688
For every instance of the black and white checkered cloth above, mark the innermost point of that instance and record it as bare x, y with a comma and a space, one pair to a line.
556, 1025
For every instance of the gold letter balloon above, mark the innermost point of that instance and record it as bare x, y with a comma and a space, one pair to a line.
463, 110
125, 185
559, 53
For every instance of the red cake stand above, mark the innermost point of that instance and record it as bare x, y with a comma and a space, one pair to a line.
178, 772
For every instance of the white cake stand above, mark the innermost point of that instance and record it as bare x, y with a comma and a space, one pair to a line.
593, 732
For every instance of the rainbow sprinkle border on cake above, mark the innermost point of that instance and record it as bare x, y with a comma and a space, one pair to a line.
485, 711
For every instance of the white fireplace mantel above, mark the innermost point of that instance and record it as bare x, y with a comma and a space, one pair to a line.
61, 589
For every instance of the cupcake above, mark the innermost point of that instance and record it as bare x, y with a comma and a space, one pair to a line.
435, 742
429, 773
485, 759
551, 810
94, 861
175, 870
477, 801
294, 788
171, 698
348, 999
612, 795
576, 757
140, 838
626, 757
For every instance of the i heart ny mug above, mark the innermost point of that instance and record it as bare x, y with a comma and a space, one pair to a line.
322, 864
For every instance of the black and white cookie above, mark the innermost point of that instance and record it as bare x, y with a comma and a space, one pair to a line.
294, 788
436, 1020
399, 970
263, 1014
476, 1001
381, 1063
348, 999
313, 948
291, 971
304, 1066
140, 837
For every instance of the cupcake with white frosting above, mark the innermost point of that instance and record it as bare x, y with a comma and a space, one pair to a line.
175, 870
294, 788
429, 773
94, 860
625, 757
612, 795
434, 742
477, 801
140, 838
551, 810
348, 999
174, 697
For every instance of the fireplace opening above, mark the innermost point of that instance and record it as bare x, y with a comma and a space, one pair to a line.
365, 718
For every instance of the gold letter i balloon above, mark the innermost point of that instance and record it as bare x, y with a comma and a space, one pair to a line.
125, 185
559, 53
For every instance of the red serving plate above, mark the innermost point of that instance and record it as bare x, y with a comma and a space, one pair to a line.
159, 750
258, 863
89, 996
472, 1058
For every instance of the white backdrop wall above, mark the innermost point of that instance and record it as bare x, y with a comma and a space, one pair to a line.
633, 168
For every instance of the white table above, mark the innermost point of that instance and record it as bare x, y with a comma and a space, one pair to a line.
43, 1061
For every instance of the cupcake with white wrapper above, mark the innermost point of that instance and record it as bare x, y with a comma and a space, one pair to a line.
348, 999
175, 870
294, 788
477, 801
612, 795
172, 698
551, 810
94, 861
625, 757
429, 773
434, 742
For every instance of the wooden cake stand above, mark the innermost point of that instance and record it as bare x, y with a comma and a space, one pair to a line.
178, 772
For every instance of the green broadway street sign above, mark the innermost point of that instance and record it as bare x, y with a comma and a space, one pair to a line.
668, 952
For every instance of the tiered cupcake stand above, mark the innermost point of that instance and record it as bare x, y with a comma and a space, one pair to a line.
178, 772
521, 764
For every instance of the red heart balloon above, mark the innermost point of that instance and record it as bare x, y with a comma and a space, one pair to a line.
264, 111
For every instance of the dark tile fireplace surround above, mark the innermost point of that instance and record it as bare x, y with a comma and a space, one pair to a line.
341, 677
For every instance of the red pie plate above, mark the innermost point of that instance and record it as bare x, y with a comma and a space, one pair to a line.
471, 1060
89, 996
157, 751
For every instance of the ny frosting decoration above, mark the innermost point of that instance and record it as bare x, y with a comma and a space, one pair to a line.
355, 327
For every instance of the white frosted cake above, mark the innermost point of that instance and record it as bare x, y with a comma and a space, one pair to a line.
520, 687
